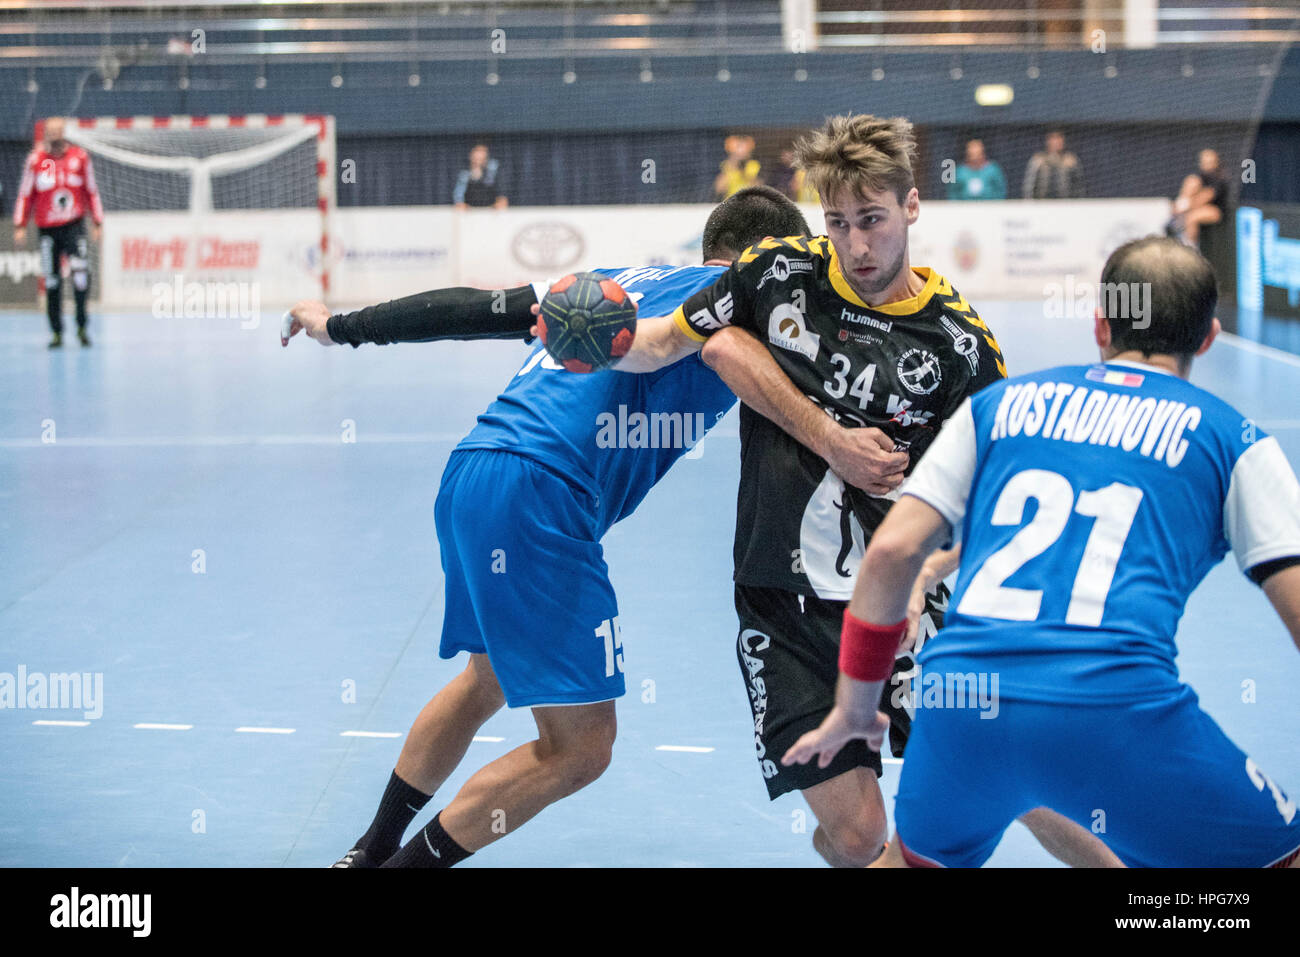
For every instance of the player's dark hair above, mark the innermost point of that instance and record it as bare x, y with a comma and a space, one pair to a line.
861, 153
747, 217
1179, 291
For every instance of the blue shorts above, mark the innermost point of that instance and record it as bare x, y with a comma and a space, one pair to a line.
1158, 781
526, 580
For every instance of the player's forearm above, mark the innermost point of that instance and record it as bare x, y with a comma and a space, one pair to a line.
858, 699
455, 313
749, 370
658, 343
1283, 591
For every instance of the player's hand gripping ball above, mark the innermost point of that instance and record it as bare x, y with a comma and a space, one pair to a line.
587, 322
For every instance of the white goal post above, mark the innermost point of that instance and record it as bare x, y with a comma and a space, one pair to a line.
219, 198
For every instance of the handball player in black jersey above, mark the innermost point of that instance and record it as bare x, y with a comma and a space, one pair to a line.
811, 332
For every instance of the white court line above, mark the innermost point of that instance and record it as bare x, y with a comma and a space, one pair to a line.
328, 438
154, 726
486, 739
369, 734
265, 730
62, 724
891, 760
1279, 425
1249, 345
690, 749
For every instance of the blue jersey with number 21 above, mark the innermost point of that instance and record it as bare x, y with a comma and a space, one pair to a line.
1091, 501
613, 434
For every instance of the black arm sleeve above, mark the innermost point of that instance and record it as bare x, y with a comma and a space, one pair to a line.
456, 313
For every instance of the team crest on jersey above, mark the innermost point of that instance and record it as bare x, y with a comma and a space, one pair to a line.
781, 269
786, 328
919, 371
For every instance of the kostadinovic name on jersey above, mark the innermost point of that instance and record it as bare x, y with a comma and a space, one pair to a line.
613, 434
1141, 482
903, 368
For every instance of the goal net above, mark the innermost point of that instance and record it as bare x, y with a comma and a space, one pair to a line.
211, 199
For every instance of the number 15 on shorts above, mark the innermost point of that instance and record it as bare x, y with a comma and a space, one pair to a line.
612, 633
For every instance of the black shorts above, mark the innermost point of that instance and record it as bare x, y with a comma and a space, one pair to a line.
788, 649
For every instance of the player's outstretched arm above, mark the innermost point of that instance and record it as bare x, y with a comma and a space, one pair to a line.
659, 342
454, 313
862, 457
1283, 591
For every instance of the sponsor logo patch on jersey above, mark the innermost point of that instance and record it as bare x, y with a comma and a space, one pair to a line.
786, 328
1115, 377
919, 371
963, 343
781, 269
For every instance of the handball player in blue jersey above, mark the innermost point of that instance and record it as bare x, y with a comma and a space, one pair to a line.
532, 487
1129, 483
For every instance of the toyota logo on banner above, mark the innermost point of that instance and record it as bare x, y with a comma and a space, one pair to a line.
548, 246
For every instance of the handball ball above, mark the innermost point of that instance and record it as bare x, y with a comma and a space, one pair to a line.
587, 322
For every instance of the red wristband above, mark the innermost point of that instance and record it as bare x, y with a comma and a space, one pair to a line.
867, 651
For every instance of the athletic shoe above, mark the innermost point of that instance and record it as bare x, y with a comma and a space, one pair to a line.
85, 339
57, 341
355, 858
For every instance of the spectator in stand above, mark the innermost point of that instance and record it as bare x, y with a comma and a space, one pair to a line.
739, 170
58, 187
1202, 201
482, 184
791, 180
1054, 173
786, 176
979, 177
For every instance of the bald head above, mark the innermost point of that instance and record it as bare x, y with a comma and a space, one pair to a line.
1178, 287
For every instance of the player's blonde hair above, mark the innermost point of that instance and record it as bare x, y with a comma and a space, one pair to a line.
862, 153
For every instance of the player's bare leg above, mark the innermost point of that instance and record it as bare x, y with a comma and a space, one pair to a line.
1067, 841
435, 745
850, 812
445, 727
573, 749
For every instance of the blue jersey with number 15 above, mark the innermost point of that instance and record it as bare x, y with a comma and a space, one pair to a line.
613, 434
1091, 501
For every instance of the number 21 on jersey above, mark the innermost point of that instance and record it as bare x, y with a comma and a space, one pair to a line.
1113, 508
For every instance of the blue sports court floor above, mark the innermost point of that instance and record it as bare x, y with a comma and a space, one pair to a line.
188, 444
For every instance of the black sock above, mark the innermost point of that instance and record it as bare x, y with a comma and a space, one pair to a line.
432, 847
79, 297
397, 809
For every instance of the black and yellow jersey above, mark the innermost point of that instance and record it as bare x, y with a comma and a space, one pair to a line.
903, 367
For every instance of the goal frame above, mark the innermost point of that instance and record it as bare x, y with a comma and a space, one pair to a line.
326, 199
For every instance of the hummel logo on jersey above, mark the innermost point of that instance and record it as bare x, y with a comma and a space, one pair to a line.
786, 329
847, 315
781, 268
919, 371
704, 319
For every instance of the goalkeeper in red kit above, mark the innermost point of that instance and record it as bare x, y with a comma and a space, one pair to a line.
58, 188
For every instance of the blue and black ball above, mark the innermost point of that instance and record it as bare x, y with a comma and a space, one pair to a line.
587, 322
